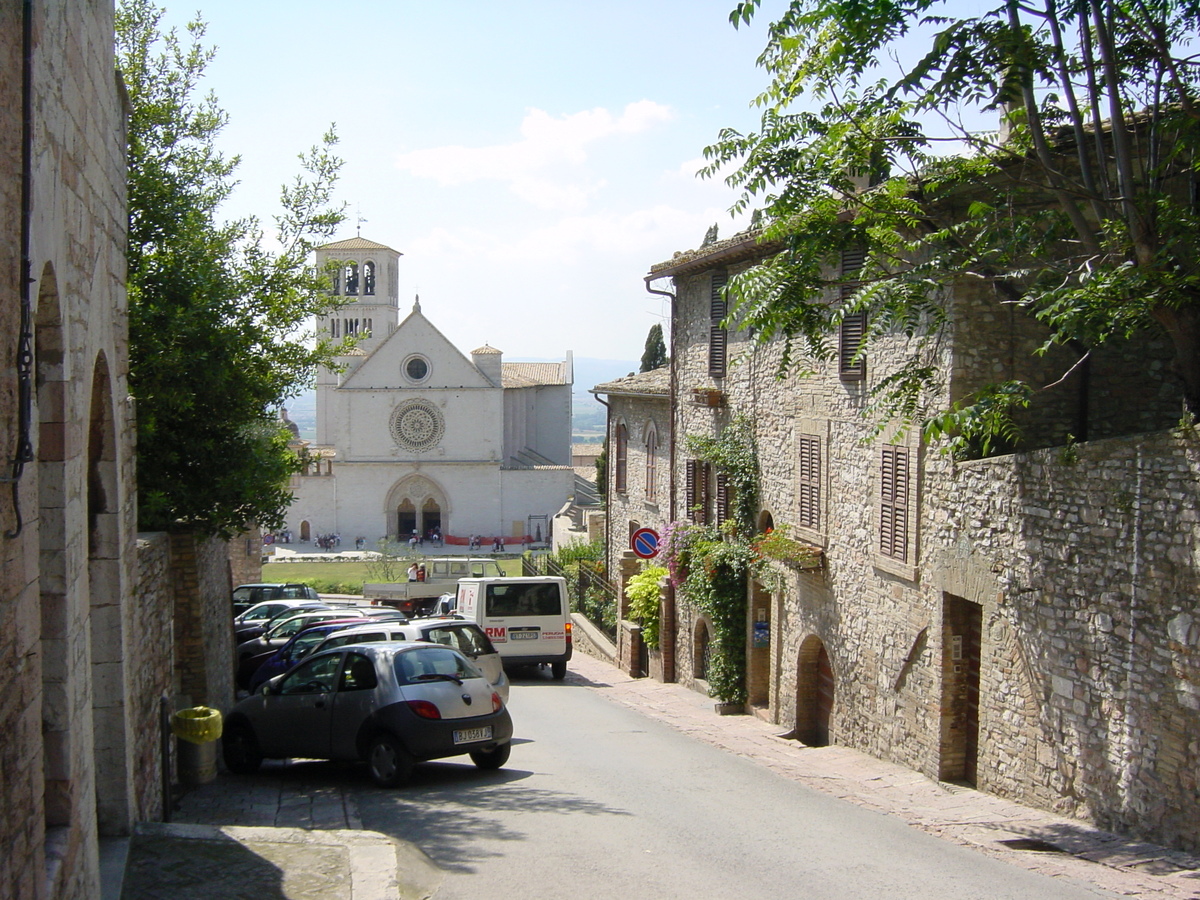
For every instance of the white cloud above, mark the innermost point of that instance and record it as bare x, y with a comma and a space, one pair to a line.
542, 168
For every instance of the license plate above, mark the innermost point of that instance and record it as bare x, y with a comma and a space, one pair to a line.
523, 635
470, 735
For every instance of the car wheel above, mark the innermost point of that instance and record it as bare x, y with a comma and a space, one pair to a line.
491, 759
559, 669
240, 749
389, 763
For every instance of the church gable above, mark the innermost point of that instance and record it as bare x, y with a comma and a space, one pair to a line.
416, 356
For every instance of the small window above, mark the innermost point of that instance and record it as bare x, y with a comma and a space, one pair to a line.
808, 487
621, 457
368, 279
416, 368
651, 462
894, 491
351, 279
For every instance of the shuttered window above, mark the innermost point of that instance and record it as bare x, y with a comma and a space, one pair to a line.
721, 499
894, 491
705, 494
853, 327
621, 462
717, 336
808, 482
651, 464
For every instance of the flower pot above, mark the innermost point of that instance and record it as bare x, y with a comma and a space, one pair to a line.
729, 708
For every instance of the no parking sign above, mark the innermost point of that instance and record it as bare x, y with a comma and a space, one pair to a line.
644, 543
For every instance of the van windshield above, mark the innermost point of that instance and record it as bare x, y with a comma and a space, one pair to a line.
523, 600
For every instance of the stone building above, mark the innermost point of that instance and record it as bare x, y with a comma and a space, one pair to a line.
639, 487
413, 435
80, 710
1026, 624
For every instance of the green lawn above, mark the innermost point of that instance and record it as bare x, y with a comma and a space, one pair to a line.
341, 577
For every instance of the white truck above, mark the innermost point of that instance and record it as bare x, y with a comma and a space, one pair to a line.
419, 598
528, 619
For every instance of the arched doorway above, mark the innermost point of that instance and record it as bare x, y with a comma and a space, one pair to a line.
701, 650
406, 520
416, 503
305, 531
431, 517
815, 693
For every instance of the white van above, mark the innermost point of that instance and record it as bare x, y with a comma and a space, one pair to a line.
527, 619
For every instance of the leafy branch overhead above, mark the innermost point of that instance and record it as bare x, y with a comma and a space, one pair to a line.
216, 318
1044, 154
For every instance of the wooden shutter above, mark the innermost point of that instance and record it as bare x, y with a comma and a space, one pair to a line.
808, 488
691, 495
717, 335
850, 338
721, 512
621, 467
893, 503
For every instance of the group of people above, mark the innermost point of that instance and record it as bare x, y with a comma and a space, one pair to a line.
476, 541
434, 536
416, 572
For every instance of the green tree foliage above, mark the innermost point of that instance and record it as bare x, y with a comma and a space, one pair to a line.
602, 470
1080, 211
655, 354
214, 315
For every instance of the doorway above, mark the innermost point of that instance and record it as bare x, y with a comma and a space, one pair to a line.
962, 653
816, 693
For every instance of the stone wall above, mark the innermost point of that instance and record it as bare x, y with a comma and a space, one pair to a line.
203, 621
245, 557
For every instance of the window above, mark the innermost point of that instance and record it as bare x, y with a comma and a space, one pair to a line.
717, 335
621, 457
851, 366
808, 481
358, 673
651, 461
351, 279
335, 282
316, 677
894, 490
368, 279
416, 368
706, 493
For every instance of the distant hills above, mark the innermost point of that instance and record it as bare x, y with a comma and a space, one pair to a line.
587, 413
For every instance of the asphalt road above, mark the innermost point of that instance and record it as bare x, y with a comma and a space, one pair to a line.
599, 801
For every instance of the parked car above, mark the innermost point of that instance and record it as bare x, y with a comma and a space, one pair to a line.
465, 637
388, 704
259, 617
527, 618
247, 595
254, 652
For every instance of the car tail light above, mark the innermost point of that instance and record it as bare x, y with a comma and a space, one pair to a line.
568, 632
497, 703
424, 709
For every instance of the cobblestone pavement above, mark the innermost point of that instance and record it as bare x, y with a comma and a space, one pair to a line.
323, 796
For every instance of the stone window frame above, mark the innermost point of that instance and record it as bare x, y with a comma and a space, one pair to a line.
896, 554
412, 357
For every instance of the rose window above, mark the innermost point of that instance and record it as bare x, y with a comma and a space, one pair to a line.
417, 425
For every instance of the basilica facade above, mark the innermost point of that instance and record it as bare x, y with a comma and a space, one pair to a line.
415, 436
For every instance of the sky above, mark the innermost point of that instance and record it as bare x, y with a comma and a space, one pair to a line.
531, 160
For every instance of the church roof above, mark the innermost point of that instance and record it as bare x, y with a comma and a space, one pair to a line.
356, 243
654, 382
530, 374
485, 349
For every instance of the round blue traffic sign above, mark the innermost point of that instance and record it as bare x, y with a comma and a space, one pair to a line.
644, 543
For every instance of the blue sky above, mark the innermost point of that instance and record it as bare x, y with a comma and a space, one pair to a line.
531, 160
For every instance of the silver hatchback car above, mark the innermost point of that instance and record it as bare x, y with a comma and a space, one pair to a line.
389, 704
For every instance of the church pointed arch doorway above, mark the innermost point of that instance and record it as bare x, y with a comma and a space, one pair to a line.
418, 504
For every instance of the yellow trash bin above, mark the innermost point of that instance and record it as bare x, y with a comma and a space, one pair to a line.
197, 730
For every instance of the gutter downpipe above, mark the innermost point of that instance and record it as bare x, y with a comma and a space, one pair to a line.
24, 355
668, 624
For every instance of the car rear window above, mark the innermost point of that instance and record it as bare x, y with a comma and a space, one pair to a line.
523, 600
424, 664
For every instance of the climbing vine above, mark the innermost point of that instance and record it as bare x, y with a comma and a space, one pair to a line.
734, 454
645, 602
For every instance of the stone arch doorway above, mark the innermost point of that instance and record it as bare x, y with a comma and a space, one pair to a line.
416, 503
58, 789
305, 531
106, 633
815, 693
701, 650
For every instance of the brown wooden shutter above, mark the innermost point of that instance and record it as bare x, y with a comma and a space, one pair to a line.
621, 467
850, 338
808, 489
718, 308
689, 493
721, 513
893, 503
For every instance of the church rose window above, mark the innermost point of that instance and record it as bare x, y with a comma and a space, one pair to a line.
417, 425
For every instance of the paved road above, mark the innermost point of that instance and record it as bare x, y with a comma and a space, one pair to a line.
599, 801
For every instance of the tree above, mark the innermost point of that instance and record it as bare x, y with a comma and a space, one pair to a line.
214, 316
1080, 211
655, 354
